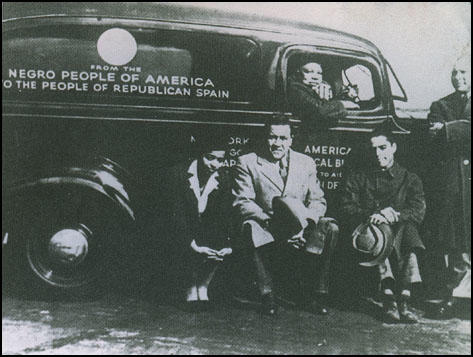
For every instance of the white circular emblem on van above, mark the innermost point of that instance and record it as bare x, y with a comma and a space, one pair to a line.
117, 46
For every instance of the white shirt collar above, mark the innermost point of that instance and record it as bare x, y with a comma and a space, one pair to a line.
193, 168
210, 185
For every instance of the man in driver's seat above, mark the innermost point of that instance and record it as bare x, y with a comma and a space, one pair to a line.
312, 99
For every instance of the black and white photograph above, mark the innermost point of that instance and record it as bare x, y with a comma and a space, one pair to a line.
204, 178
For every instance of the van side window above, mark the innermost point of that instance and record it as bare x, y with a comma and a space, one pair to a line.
330, 78
359, 76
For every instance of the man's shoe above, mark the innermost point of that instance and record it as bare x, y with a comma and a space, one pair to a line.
405, 315
268, 306
390, 310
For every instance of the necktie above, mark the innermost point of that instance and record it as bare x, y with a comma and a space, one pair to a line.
283, 170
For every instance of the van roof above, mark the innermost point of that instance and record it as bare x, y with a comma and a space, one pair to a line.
174, 12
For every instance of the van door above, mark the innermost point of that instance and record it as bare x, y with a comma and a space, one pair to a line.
331, 145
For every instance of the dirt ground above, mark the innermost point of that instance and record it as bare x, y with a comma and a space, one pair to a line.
124, 325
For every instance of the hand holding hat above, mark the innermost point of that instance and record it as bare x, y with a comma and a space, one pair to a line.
297, 241
289, 218
378, 218
373, 243
391, 215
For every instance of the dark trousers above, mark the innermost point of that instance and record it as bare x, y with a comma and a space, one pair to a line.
402, 266
280, 264
458, 265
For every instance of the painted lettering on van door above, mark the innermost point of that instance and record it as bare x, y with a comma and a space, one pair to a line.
115, 80
330, 161
237, 146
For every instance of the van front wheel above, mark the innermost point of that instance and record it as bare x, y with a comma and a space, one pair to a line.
64, 243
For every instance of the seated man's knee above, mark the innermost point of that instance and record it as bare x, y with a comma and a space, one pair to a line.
329, 226
254, 234
332, 234
333, 228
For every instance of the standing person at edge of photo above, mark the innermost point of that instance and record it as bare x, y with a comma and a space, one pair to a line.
199, 205
279, 176
450, 119
385, 202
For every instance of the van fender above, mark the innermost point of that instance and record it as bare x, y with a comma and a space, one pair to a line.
105, 177
71, 230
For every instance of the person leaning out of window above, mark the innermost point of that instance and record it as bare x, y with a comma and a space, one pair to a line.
313, 100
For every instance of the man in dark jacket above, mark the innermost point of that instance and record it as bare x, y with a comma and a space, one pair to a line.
198, 205
312, 99
450, 119
389, 194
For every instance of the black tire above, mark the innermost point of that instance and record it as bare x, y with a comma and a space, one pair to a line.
66, 242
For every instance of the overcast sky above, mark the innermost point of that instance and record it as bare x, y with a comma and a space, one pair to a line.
421, 40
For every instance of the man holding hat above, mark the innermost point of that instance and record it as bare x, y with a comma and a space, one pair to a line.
281, 207
386, 204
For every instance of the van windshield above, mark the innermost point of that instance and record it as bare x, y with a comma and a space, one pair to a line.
70, 63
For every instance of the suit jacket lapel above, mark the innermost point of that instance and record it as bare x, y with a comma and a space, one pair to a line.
456, 106
189, 193
271, 172
292, 171
190, 185
201, 198
467, 111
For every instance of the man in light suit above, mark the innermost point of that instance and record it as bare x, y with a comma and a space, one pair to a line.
279, 171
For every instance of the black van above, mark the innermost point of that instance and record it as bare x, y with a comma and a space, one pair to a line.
99, 98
